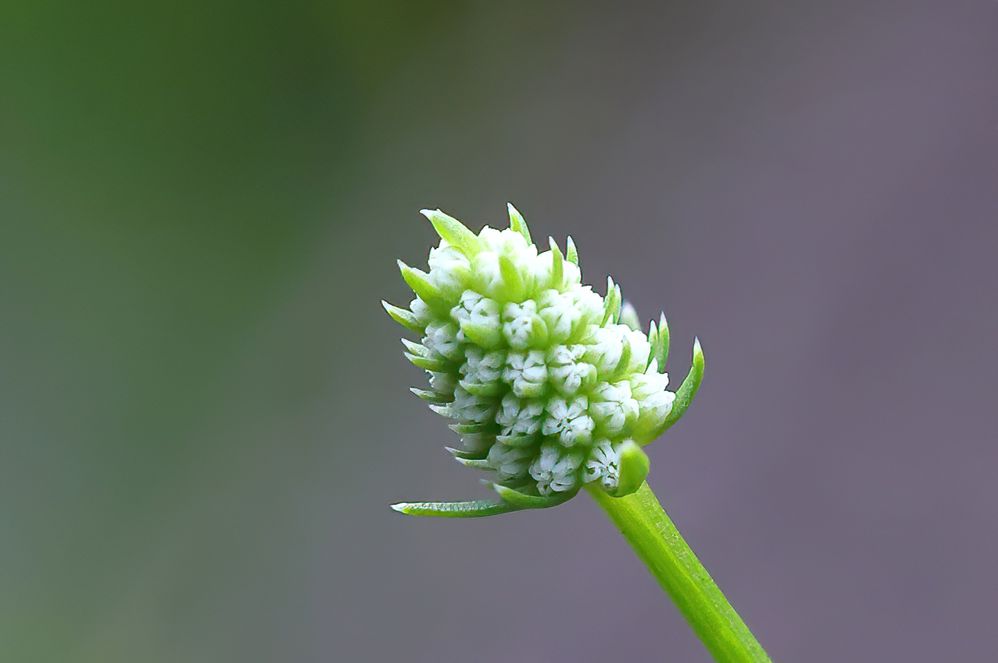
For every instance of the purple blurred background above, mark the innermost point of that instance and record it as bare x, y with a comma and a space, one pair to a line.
204, 410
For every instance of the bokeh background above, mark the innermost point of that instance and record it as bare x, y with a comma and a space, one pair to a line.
203, 409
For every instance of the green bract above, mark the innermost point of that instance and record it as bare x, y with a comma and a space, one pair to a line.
549, 386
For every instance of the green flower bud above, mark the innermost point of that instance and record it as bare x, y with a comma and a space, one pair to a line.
549, 385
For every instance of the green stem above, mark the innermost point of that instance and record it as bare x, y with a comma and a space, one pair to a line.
655, 539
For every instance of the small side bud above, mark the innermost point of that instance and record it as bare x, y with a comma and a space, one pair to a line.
633, 468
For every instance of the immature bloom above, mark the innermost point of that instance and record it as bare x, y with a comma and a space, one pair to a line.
545, 384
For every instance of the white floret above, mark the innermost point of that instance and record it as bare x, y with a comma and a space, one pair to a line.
613, 407
508, 242
640, 348
649, 382
654, 400
518, 323
555, 471
568, 374
470, 408
569, 421
442, 383
526, 373
509, 462
421, 311
606, 348
486, 273
449, 268
482, 367
588, 303
441, 338
560, 313
476, 309
519, 417
603, 464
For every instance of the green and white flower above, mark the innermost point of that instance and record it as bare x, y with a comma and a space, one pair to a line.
547, 384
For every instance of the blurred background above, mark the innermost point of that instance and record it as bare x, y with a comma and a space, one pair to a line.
203, 408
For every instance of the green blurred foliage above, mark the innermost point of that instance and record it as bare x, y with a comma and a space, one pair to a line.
163, 170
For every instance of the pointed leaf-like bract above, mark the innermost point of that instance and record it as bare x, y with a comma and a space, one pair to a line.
653, 342
525, 501
403, 316
453, 231
515, 287
471, 429
634, 466
538, 331
432, 396
629, 316
557, 264
517, 223
486, 389
484, 336
687, 390
419, 282
518, 440
624, 362
428, 363
662, 343
463, 453
417, 349
571, 253
474, 463
611, 305
469, 509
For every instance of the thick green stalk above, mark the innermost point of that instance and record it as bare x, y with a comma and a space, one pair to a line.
654, 537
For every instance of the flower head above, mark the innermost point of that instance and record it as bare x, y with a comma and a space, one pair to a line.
545, 382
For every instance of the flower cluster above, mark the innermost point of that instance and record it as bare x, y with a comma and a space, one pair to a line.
540, 377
